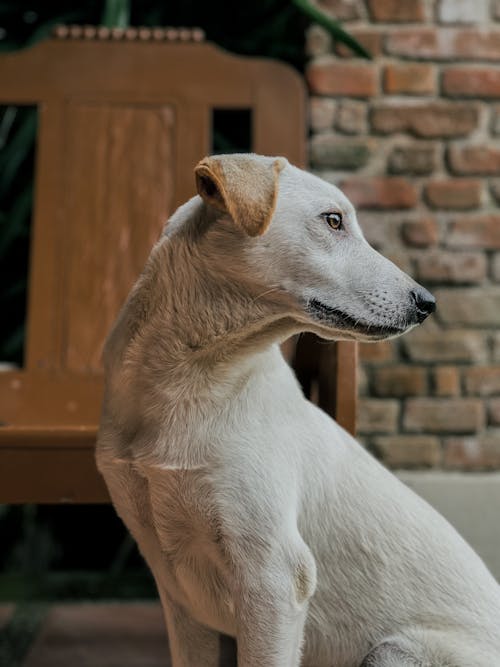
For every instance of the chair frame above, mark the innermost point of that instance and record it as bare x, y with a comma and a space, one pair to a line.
49, 410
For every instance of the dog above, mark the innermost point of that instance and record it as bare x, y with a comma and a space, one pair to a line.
260, 517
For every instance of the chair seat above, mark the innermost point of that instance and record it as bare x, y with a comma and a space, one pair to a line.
50, 464
67, 437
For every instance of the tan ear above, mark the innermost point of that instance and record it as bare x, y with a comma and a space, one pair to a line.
245, 186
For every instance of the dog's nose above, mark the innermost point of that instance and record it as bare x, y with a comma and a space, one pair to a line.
425, 303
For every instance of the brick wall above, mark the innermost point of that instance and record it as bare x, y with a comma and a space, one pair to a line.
413, 137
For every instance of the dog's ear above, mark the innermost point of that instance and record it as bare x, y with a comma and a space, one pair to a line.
244, 186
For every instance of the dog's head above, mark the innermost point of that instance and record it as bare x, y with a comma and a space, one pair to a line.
299, 234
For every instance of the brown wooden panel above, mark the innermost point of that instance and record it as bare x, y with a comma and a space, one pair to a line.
44, 327
49, 466
50, 399
119, 191
193, 142
346, 385
280, 126
47, 437
145, 72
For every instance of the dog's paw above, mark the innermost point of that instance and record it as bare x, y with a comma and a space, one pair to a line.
388, 654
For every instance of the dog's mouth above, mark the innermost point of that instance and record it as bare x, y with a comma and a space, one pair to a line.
334, 317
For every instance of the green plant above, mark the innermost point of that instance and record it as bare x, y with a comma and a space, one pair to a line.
333, 27
116, 13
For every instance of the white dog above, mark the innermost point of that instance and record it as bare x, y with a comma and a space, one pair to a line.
258, 515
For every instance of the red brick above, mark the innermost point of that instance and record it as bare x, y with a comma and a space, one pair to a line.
483, 380
380, 192
495, 189
444, 44
479, 231
494, 411
377, 415
470, 306
455, 194
400, 381
474, 159
408, 451
425, 119
322, 113
376, 352
446, 381
380, 230
342, 10
329, 76
421, 233
396, 11
327, 150
416, 158
495, 267
372, 40
400, 258
496, 347
451, 267
421, 43
352, 117
433, 344
471, 82
415, 79
318, 41
443, 415
476, 453
495, 119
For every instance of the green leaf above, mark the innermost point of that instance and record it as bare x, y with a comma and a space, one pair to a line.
17, 150
12, 346
333, 27
8, 118
116, 14
42, 31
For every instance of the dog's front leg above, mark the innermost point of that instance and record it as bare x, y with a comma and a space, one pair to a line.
269, 635
271, 608
191, 644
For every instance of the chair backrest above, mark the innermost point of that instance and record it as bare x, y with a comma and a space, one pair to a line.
121, 126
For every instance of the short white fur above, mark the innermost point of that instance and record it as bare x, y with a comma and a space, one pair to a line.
258, 515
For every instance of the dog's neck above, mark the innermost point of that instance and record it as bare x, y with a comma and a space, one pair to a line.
186, 345
213, 309
193, 315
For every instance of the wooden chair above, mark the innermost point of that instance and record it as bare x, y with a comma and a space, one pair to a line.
121, 126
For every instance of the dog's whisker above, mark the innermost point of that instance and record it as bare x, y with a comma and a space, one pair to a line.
269, 291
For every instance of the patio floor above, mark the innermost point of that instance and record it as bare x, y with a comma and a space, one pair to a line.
85, 635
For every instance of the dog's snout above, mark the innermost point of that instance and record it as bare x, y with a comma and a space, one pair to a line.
425, 303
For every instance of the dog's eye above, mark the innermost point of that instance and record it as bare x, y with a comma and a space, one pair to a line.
333, 219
